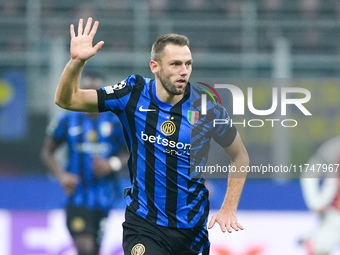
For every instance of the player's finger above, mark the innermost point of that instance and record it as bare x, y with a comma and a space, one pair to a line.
99, 45
72, 31
212, 222
223, 228
234, 226
239, 225
94, 28
88, 26
229, 229
80, 27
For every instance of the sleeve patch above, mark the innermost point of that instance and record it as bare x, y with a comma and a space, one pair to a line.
111, 89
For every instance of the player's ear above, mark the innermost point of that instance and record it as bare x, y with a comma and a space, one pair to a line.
154, 66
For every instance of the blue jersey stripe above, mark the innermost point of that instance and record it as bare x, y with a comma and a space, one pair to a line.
150, 128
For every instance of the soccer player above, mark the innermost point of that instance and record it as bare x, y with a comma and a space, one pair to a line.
167, 202
95, 152
321, 191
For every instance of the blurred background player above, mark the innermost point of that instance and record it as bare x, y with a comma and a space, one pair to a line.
96, 150
321, 191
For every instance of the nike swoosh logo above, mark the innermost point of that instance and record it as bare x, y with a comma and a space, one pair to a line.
146, 110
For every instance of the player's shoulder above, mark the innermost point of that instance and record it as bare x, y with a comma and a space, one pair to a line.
127, 85
138, 81
197, 91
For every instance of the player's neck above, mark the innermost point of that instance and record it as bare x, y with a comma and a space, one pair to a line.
164, 96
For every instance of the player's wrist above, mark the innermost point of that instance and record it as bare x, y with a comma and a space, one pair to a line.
77, 62
115, 163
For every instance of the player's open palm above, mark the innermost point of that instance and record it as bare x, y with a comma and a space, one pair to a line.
81, 47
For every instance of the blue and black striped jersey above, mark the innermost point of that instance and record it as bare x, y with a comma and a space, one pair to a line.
159, 137
87, 137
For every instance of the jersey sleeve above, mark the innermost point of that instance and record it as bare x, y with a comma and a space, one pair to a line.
115, 97
217, 118
57, 128
223, 131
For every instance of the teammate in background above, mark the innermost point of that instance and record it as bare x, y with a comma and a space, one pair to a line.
322, 195
95, 150
167, 203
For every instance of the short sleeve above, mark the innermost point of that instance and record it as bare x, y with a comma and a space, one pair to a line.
115, 97
224, 132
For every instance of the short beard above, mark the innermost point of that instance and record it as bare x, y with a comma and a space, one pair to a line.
170, 88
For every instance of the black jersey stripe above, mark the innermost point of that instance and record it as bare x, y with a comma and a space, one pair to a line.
192, 196
130, 112
205, 214
171, 169
171, 187
196, 209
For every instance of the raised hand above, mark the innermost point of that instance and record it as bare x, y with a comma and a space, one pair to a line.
81, 45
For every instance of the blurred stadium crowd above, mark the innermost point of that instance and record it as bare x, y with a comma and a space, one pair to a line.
228, 39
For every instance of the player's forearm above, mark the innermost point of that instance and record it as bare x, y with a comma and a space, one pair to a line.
68, 85
234, 191
236, 180
52, 164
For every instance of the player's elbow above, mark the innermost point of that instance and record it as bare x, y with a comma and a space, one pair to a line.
242, 155
245, 157
241, 158
62, 103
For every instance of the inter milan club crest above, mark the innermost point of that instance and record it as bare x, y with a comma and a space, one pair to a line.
193, 117
168, 127
138, 249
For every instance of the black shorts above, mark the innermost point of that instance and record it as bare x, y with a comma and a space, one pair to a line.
141, 237
81, 220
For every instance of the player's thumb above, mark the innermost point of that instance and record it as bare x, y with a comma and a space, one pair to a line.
98, 46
